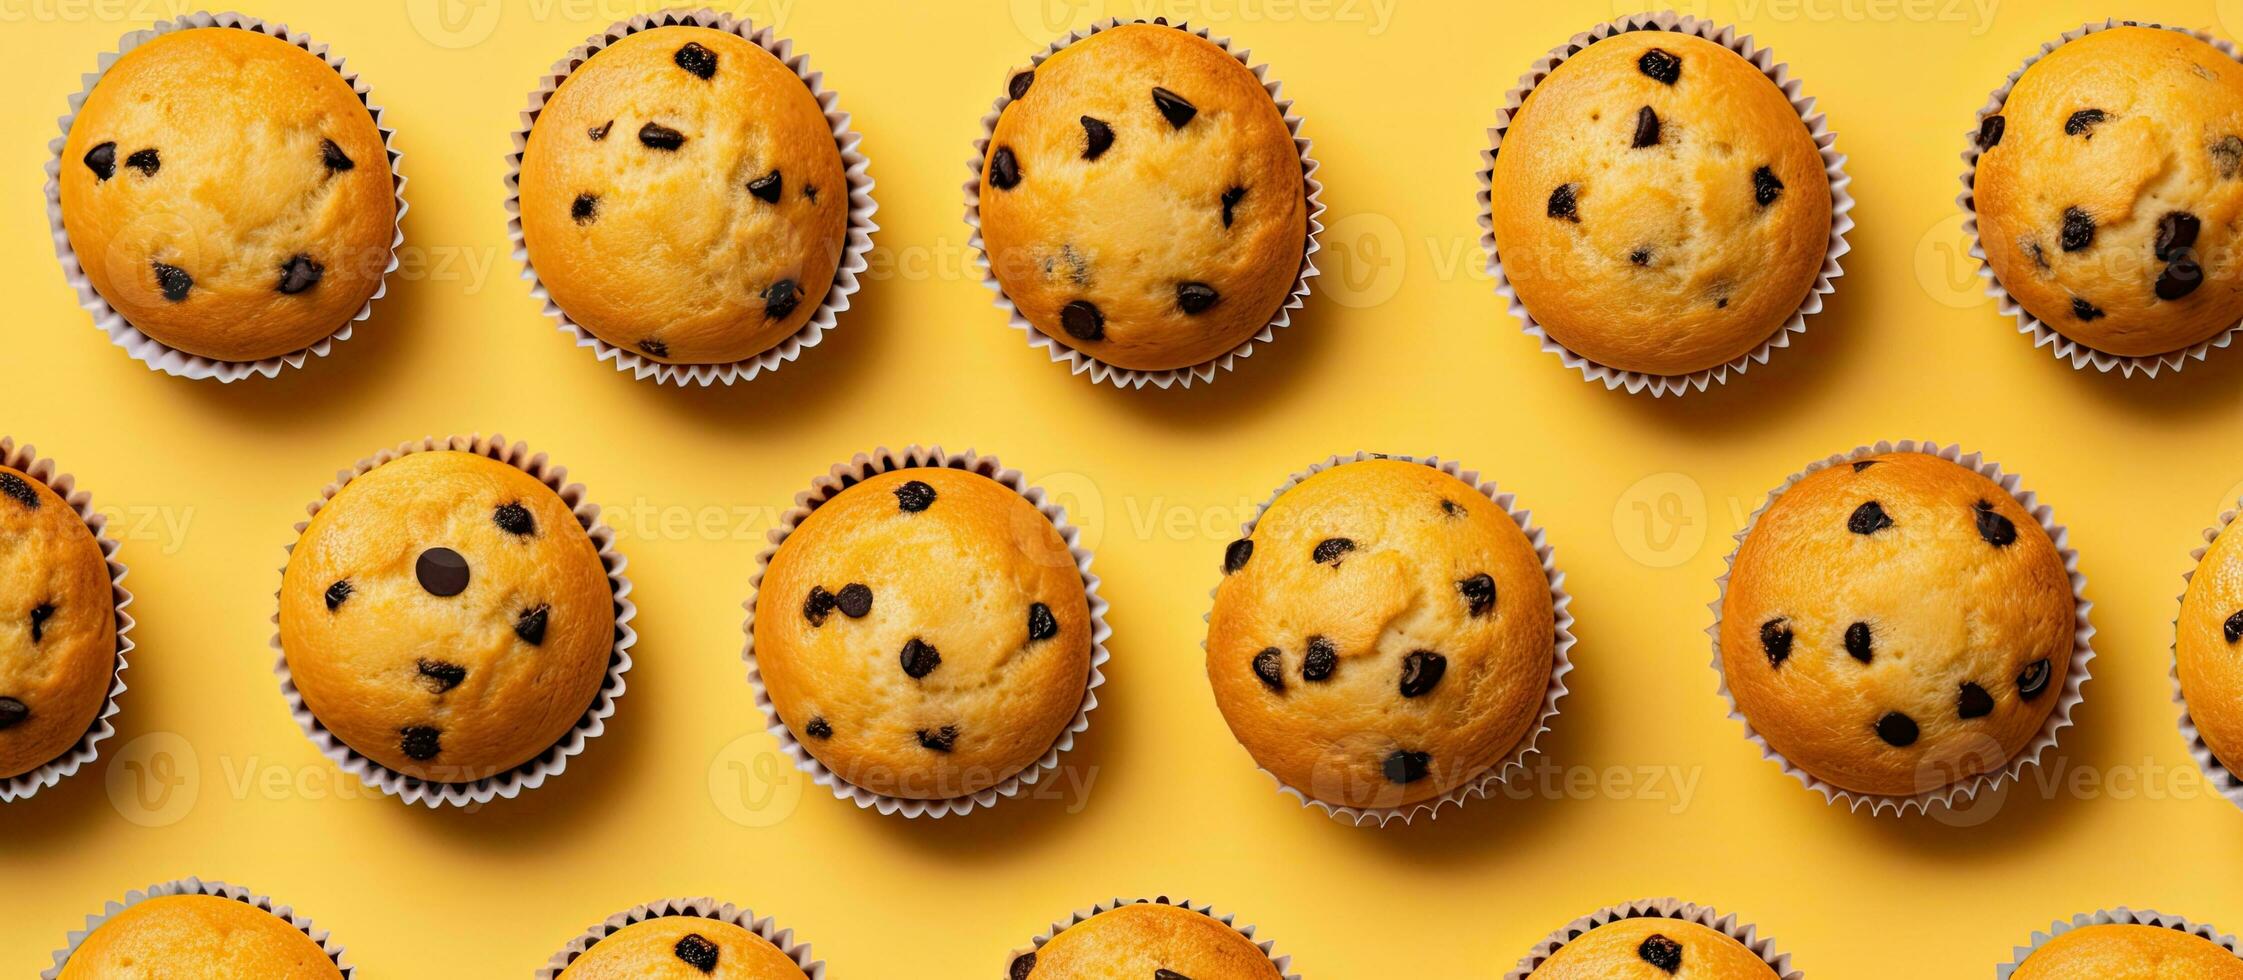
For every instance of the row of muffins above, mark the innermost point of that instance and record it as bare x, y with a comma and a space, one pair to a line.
1663, 205
219, 931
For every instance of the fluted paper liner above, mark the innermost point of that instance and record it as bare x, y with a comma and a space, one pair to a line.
1204, 372
2064, 348
2223, 779
697, 908
1834, 164
196, 886
529, 775
27, 459
865, 466
856, 241
2059, 715
1561, 661
2120, 916
1283, 963
1660, 908
155, 353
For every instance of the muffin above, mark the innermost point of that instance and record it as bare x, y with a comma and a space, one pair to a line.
2107, 190
925, 634
1897, 624
1142, 200
58, 647
682, 196
446, 616
2129, 952
229, 194
1383, 635
1146, 939
1654, 948
1658, 205
2206, 647
684, 948
205, 936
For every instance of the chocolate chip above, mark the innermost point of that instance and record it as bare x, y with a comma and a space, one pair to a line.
1661, 65
780, 299
1004, 169
1775, 641
2079, 229
1173, 107
818, 605
1017, 86
299, 273
768, 187
854, 600
2234, 626
940, 740
818, 728
1421, 672
338, 592
2033, 679
1322, 658
1405, 766
333, 157
1042, 625
654, 348
919, 658
1450, 508
530, 625
442, 571
513, 518
2083, 123
914, 496
2085, 310
1859, 642
19, 490
1562, 205
1169, 975
1973, 702
420, 743
2227, 155
1898, 730
810, 191
1231, 198
12, 713
659, 137
599, 132
2034, 252
1661, 952
1196, 297
1996, 529
2176, 235
1097, 138
1990, 132
1269, 665
1765, 187
1025, 963
102, 160
696, 950
1237, 555
1647, 128
1331, 550
39, 616
146, 161
1083, 321
173, 280
1479, 594
2179, 279
1640, 256
585, 209
696, 59
441, 676
1869, 518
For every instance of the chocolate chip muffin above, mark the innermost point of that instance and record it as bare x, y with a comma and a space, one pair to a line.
446, 616
2129, 952
683, 947
682, 196
1897, 624
1142, 200
2208, 647
198, 936
1146, 939
1658, 205
229, 194
2108, 188
1384, 635
58, 642
925, 634
1654, 948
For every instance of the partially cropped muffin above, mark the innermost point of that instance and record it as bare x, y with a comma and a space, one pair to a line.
1384, 636
1142, 200
1897, 624
682, 196
58, 644
2108, 189
1658, 204
204, 936
1654, 948
683, 947
2129, 952
925, 634
2208, 648
229, 194
446, 616
1146, 939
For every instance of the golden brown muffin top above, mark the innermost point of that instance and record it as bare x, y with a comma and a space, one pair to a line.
683, 947
1654, 948
1147, 939
58, 625
201, 936
2129, 952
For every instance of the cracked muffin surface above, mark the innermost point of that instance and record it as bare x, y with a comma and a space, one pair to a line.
1147, 939
228, 193
58, 640
1654, 948
2129, 952
683, 947
204, 936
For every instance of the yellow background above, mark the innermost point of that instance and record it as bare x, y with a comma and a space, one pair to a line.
1404, 348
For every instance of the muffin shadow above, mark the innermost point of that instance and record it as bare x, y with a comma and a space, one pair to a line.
2204, 387
783, 395
1792, 376
1255, 384
2034, 807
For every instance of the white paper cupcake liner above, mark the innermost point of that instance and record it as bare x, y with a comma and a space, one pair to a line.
697, 908
155, 353
1561, 661
1101, 372
856, 243
2224, 780
2059, 716
197, 886
1014, 971
2121, 916
529, 775
858, 469
27, 459
1834, 164
1660, 908
2064, 348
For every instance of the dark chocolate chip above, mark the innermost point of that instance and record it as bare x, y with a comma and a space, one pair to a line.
1647, 128
1025, 963
654, 348
2179, 279
102, 160
1641, 255
39, 616
696, 950
420, 743
1173, 107
1331, 550
173, 280
599, 132
441, 676
818, 605
1863, 464
2085, 310
1775, 641
442, 571
2033, 679
940, 740
1661, 952
1083, 321
1237, 555
2083, 122
1562, 205
1169, 975
1860, 643
1990, 132
146, 161
768, 187
1661, 65
1405, 766
696, 59
1973, 702
530, 625
2176, 235
1231, 198
1017, 86
1898, 730
513, 518
19, 490
12, 713
2079, 229
1451, 508
299, 273
659, 137
1996, 529
333, 157
919, 658
338, 592
1322, 658
1097, 138
1004, 169
1765, 187
1421, 672
854, 600
818, 728
585, 209
810, 191
1269, 665
1479, 594
780, 299
2034, 252
1196, 297
2234, 626
1042, 625
2227, 155
914, 496
1869, 518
